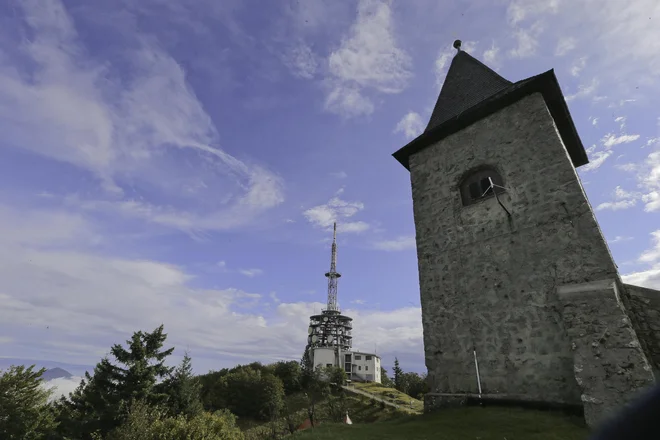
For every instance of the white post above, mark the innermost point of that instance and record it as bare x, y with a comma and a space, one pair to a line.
476, 366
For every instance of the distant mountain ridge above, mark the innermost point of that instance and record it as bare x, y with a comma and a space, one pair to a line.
55, 373
73, 369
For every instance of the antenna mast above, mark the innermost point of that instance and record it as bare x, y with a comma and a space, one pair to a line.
332, 275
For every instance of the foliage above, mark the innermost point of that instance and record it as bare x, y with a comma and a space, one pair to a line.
211, 388
335, 375
183, 390
306, 367
414, 385
145, 422
249, 393
316, 389
25, 413
290, 374
398, 375
99, 404
384, 378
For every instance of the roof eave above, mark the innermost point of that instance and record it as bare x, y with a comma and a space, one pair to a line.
545, 83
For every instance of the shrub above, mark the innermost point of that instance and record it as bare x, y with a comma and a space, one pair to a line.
145, 422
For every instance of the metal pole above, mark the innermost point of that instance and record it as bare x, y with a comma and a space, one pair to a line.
476, 366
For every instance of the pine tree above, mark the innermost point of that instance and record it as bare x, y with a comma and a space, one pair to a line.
307, 368
398, 375
183, 390
24, 410
100, 403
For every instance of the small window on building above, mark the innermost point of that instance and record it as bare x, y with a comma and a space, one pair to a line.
481, 184
360, 367
366, 367
348, 358
368, 358
328, 365
358, 357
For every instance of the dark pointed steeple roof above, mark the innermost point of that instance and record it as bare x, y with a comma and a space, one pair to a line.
468, 82
472, 91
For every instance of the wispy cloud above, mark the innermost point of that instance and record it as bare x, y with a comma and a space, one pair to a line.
129, 130
398, 244
491, 55
619, 239
339, 175
597, 159
578, 66
411, 125
584, 90
623, 200
337, 210
526, 42
652, 255
565, 45
369, 58
251, 272
610, 139
302, 61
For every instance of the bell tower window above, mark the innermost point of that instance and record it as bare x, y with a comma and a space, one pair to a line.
481, 184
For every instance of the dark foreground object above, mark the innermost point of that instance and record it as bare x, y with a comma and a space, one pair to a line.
639, 421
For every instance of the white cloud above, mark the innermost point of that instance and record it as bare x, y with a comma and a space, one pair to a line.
616, 206
348, 101
302, 61
622, 122
584, 90
519, 10
578, 66
619, 239
623, 200
339, 175
74, 302
130, 130
526, 42
411, 125
648, 278
490, 55
336, 210
62, 386
652, 255
594, 121
398, 244
251, 272
596, 161
610, 140
652, 201
368, 58
565, 45
358, 301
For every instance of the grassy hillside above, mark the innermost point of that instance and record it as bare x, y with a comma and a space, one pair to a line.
392, 395
361, 410
457, 424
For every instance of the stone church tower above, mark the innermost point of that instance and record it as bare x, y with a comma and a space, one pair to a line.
515, 275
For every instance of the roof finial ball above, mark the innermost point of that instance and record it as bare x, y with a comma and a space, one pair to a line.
457, 45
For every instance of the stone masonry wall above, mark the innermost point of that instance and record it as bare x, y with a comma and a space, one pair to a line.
609, 364
644, 307
489, 281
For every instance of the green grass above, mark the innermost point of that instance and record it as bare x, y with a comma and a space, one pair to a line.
361, 410
472, 423
393, 396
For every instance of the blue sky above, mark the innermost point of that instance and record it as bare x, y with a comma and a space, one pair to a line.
182, 162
